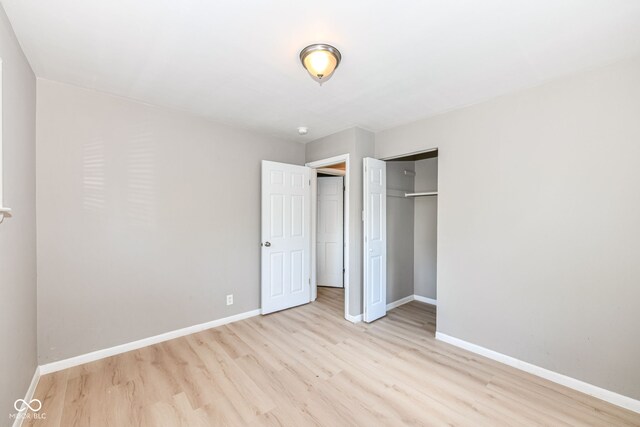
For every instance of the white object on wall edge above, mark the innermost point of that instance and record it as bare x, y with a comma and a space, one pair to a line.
3, 212
581, 386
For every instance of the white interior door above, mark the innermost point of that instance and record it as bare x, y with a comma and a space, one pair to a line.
375, 239
286, 240
330, 232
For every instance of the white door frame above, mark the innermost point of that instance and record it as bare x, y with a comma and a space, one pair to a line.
438, 216
329, 237
412, 153
314, 218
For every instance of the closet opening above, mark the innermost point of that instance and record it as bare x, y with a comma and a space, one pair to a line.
410, 223
330, 233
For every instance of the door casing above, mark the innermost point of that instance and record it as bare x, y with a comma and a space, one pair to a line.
330, 231
347, 237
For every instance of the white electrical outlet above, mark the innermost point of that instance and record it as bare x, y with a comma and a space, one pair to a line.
229, 299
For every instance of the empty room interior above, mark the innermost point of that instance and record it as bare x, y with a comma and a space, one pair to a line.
296, 214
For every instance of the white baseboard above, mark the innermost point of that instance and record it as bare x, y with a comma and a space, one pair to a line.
425, 300
396, 304
29, 395
354, 319
400, 302
581, 386
134, 345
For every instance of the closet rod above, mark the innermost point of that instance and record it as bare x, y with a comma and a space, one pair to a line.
429, 193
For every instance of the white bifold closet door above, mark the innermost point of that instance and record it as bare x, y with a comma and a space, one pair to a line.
286, 240
330, 232
375, 239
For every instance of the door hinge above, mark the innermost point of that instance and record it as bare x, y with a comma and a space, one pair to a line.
309, 280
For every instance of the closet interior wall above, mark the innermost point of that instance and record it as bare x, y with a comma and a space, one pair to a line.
400, 230
425, 229
411, 229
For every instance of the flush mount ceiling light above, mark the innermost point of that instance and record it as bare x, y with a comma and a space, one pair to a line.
320, 60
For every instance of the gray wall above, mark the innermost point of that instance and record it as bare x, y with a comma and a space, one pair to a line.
147, 219
400, 232
17, 234
539, 223
358, 143
425, 229
365, 147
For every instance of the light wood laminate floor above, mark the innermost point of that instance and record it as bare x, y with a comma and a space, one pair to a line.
307, 366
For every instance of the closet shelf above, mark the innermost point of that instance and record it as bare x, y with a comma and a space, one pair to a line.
428, 193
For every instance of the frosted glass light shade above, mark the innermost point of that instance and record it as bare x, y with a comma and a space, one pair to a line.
320, 60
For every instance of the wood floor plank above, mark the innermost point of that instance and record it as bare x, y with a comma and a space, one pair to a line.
307, 366
51, 392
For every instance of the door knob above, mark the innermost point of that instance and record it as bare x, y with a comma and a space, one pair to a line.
267, 244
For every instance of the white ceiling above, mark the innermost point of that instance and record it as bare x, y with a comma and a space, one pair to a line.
237, 61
